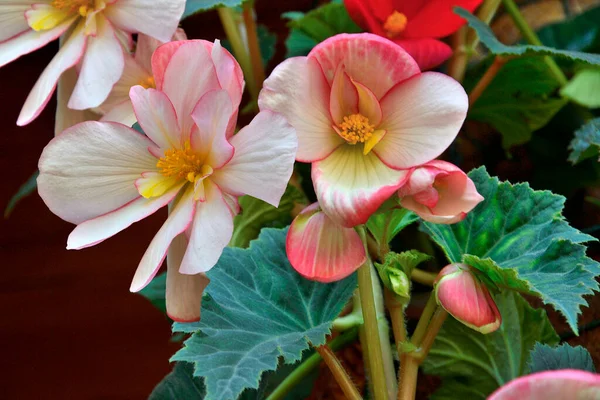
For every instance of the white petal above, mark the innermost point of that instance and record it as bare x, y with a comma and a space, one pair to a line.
210, 233
12, 20
91, 169
179, 219
263, 160
156, 116
122, 113
66, 117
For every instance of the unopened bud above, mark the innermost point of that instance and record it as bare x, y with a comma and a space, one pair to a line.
466, 298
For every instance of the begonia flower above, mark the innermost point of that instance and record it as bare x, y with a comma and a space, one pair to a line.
416, 25
466, 298
94, 34
104, 176
551, 385
439, 192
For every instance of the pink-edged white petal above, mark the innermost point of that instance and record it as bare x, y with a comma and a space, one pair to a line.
343, 99
68, 55
133, 74
189, 74
210, 233
161, 58
156, 18
362, 54
351, 186
122, 112
102, 66
156, 116
180, 217
263, 161
66, 117
90, 169
212, 116
96, 230
321, 250
368, 105
422, 116
298, 90
146, 45
551, 385
183, 292
30, 40
12, 19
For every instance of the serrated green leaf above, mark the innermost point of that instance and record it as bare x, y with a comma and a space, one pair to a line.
547, 358
586, 143
473, 365
584, 88
196, 6
25, 190
577, 34
524, 233
487, 37
257, 214
317, 25
519, 100
390, 223
155, 291
179, 384
257, 310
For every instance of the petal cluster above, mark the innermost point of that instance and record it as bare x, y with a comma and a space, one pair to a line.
104, 176
94, 36
416, 25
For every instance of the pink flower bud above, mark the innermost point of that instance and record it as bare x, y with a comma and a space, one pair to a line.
467, 299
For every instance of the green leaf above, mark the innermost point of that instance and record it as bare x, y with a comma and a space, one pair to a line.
24, 190
473, 365
390, 223
179, 384
257, 214
521, 241
577, 34
317, 25
155, 292
488, 38
195, 6
519, 100
547, 358
586, 143
584, 88
257, 310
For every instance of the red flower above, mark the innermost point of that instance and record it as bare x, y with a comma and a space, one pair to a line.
413, 24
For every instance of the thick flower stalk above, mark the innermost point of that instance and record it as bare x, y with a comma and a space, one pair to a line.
94, 35
364, 115
416, 25
104, 176
439, 192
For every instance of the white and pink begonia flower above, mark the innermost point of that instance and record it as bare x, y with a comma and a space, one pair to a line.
559, 384
364, 115
94, 35
439, 192
104, 176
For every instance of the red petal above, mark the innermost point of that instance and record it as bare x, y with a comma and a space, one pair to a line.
428, 53
440, 11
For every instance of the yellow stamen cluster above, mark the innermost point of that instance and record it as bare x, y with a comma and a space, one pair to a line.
83, 7
181, 163
395, 24
356, 128
148, 82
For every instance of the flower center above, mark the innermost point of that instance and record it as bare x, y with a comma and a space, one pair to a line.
355, 128
148, 83
395, 24
183, 164
72, 7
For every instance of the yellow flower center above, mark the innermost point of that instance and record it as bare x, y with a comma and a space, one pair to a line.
183, 164
395, 24
355, 128
148, 83
71, 7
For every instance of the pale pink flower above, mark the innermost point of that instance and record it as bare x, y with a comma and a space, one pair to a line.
551, 385
104, 176
363, 113
439, 192
94, 34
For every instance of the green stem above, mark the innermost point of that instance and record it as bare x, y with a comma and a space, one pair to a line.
258, 70
409, 370
432, 330
310, 364
530, 36
423, 277
355, 318
339, 373
228, 20
373, 340
485, 13
421, 328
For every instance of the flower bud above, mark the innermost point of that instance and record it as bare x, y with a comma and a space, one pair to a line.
394, 279
466, 298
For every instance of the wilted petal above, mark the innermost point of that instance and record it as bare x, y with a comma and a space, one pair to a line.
263, 161
422, 116
321, 250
